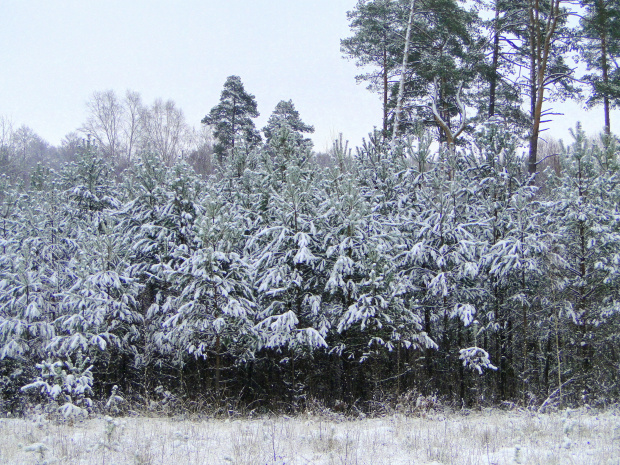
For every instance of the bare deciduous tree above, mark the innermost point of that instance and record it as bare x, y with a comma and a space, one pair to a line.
133, 109
28, 148
70, 146
123, 127
105, 123
201, 150
164, 130
6, 143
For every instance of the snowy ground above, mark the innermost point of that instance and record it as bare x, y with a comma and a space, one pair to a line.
490, 437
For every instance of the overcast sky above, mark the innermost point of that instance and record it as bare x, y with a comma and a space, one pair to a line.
56, 53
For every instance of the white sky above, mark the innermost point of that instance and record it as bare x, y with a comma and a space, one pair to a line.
56, 53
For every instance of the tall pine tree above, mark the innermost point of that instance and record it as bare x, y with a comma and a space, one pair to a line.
231, 119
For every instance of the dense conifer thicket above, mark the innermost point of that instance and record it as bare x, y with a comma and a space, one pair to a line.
397, 270
155, 264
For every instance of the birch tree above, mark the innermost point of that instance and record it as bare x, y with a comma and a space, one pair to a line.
403, 71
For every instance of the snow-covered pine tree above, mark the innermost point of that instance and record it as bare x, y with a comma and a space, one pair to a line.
65, 387
283, 248
514, 260
211, 313
35, 251
584, 213
438, 261
98, 311
89, 181
157, 228
372, 313
285, 116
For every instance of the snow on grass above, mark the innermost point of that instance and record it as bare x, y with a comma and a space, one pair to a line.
488, 437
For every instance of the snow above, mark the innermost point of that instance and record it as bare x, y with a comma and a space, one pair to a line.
488, 437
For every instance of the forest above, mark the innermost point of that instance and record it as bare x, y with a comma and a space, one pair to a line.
459, 254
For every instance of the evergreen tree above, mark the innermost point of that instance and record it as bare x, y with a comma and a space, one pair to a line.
88, 180
231, 119
601, 49
286, 118
500, 96
442, 59
157, 230
212, 308
283, 252
584, 214
374, 25
545, 38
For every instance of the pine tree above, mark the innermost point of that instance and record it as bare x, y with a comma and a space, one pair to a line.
157, 230
211, 313
88, 181
231, 119
500, 97
601, 49
545, 38
283, 251
585, 217
286, 118
441, 63
374, 42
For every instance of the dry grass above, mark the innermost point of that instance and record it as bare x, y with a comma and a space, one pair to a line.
489, 437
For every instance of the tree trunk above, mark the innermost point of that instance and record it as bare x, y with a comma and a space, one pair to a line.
499, 347
533, 149
461, 367
605, 67
218, 363
398, 369
540, 47
428, 351
385, 91
401, 87
233, 129
493, 87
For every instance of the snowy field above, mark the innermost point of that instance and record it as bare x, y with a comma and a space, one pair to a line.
490, 437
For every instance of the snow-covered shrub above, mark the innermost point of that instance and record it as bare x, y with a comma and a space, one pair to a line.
164, 402
111, 433
476, 358
65, 387
40, 450
414, 403
115, 402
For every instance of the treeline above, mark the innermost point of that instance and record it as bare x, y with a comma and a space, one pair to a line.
122, 128
227, 267
283, 281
